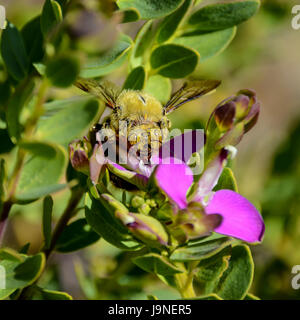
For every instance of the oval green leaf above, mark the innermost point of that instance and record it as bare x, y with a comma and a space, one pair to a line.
159, 87
73, 117
109, 61
237, 278
76, 236
156, 264
223, 15
136, 79
40, 176
207, 44
62, 70
34, 45
174, 61
200, 250
171, 23
51, 16
152, 9
142, 42
14, 53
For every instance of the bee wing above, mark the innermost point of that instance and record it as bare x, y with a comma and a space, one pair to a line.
105, 90
190, 91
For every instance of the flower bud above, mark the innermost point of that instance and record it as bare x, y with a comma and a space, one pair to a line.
148, 230
79, 155
232, 118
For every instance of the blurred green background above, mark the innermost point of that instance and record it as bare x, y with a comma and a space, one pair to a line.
264, 56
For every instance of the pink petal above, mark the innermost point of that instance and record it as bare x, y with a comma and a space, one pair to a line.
240, 218
174, 179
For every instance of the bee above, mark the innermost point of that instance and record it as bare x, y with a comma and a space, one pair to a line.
137, 116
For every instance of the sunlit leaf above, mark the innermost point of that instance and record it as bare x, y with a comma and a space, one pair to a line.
174, 61
223, 15
108, 62
207, 44
150, 9
160, 87
236, 280
170, 24
72, 118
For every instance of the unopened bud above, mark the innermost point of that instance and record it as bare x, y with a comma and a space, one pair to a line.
79, 155
149, 230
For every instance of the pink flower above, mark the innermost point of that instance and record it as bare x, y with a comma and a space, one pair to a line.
240, 219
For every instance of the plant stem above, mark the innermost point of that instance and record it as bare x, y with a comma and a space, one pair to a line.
3, 218
184, 284
64, 219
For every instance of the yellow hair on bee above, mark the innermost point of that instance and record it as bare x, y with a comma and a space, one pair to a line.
137, 103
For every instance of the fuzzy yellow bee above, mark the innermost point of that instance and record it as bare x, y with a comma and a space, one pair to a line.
144, 117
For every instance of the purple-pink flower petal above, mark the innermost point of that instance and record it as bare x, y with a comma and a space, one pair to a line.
240, 218
175, 179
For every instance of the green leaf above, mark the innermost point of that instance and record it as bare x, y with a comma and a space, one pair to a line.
226, 181
130, 15
51, 17
136, 79
171, 23
54, 295
142, 43
201, 250
62, 70
160, 87
10, 254
102, 221
34, 45
207, 44
30, 269
14, 53
156, 264
151, 9
236, 280
47, 220
68, 119
174, 61
38, 148
15, 106
211, 269
223, 15
40, 176
19, 274
109, 61
76, 236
